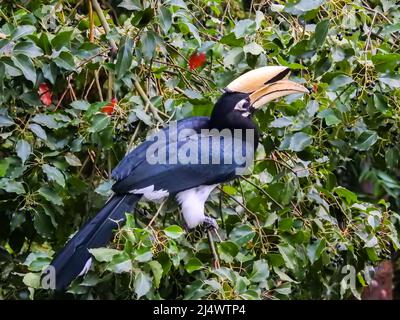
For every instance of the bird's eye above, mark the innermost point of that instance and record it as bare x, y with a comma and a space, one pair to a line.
242, 105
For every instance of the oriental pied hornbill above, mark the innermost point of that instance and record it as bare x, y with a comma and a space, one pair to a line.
191, 183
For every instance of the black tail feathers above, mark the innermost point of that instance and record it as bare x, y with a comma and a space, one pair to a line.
72, 259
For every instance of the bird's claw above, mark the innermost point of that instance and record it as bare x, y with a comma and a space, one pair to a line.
210, 223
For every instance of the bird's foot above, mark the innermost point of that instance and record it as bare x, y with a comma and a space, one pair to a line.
144, 213
210, 223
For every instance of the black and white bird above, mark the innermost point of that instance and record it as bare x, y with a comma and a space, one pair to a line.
187, 162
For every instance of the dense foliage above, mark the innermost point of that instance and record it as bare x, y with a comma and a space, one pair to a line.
323, 192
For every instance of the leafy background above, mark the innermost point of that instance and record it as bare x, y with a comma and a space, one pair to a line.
324, 191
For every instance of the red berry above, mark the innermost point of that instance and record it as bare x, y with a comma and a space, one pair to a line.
197, 60
45, 94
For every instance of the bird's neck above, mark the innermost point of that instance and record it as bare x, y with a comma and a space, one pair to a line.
236, 123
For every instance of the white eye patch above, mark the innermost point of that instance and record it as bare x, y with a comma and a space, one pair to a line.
242, 105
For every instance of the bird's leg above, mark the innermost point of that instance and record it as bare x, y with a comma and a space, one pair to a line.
210, 223
213, 251
143, 212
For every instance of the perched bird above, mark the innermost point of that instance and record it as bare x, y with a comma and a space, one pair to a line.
187, 162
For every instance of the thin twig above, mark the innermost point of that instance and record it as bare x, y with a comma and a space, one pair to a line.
91, 22
98, 85
146, 99
133, 138
157, 213
105, 25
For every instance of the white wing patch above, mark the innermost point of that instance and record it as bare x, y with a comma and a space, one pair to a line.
150, 194
192, 203
86, 267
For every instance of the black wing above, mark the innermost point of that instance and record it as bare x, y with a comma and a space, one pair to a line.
137, 155
210, 159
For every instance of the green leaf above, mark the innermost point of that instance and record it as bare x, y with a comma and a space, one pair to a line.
157, 271
131, 4
253, 48
50, 195
105, 188
173, 232
303, 6
18, 218
321, 31
28, 49
62, 39
392, 80
124, 58
6, 121
297, 142
228, 250
288, 254
37, 261
260, 271
371, 252
100, 122
80, 105
340, 81
143, 17
281, 122
329, 116
195, 32
12, 186
272, 217
193, 264
4, 164
142, 284
233, 57
241, 235
349, 196
366, 140
391, 28
284, 289
177, 3
38, 130
32, 280
54, 174
143, 254
283, 276
65, 61
231, 40
244, 27
22, 31
104, 254
73, 160
148, 42
314, 250
25, 64
50, 72
47, 121
386, 63
23, 149
43, 225
165, 17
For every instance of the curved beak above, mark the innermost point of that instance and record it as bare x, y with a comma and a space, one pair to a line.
274, 91
265, 84
256, 79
